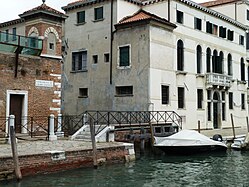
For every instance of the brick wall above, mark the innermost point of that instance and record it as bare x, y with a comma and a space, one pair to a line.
42, 163
30, 69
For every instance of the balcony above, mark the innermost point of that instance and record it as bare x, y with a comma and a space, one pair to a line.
215, 79
24, 45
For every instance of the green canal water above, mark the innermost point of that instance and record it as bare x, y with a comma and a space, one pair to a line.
227, 169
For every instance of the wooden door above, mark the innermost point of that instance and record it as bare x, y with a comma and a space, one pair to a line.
16, 102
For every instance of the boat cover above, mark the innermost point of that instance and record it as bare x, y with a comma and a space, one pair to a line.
186, 138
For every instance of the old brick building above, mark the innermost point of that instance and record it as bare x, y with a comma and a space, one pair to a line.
30, 66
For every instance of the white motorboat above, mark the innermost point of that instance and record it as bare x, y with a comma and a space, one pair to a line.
188, 142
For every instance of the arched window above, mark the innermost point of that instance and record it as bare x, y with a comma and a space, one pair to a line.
32, 40
220, 62
51, 44
215, 62
199, 58
242, 69
180, 56
208, 56
229, 64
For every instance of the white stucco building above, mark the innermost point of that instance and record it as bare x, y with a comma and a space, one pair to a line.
155, 55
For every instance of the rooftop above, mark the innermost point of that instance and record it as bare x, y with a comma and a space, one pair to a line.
217, 3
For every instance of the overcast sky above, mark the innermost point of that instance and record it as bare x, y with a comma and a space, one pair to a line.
10, 9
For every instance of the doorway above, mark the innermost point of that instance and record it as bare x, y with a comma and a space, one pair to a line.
216, 110
16, 106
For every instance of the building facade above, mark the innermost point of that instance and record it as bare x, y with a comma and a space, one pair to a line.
155, 56
30, 66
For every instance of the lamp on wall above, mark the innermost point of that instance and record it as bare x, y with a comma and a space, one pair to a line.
43, 1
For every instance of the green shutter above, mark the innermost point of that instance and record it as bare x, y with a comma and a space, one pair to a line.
124, 56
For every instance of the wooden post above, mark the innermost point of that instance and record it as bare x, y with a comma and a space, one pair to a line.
142, 140
152, 135
199, 126
14, 147
247, 124
92, 129
233, 126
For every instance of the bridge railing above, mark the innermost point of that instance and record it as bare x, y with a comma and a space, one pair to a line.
103, 119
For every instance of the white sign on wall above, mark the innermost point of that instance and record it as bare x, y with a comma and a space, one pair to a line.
43, 83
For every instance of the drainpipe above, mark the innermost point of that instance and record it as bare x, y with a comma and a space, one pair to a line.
111, 45
235, 12
169, 10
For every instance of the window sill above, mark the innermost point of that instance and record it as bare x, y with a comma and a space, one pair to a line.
82, 96
181, 72
97, 20
124, 67
200, 75
79, 24
200, 109
124, 95
241, 82
79, 71
181, 108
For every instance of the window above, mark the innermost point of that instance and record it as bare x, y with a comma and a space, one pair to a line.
223, 111
222, 32
242, 69
247, 15
241, 40
81, 17
179, 16
215, 29
180, 56
124, 90
7, 35
181, 97
124, 56
247, 40
98, 13
95, 59
230, 97
14, 33
215, 62
199, 98
209, 27
229, 64
208, 57
220, 62
165, 94
198, 23
51, 46
209, 111
83, 92
243, 101
199, 58
79, 61
107, 57
230, 35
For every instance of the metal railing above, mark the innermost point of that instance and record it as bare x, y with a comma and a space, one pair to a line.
103, 119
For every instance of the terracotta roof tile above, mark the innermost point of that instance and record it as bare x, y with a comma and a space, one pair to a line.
43, 7
11, 22
217, 2
141, 15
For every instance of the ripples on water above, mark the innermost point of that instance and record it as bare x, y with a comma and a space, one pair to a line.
217, 170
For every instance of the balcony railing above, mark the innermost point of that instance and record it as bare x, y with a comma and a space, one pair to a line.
215, 79
24, 45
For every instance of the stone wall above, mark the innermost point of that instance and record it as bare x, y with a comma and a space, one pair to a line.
43, 163
42, 100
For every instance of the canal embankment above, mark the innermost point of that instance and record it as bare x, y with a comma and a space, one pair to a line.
36, 157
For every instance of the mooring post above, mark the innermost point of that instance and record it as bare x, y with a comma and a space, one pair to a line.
52, 136
142, 140
199, 126
14, 147
151, 135
233, 126
92, 129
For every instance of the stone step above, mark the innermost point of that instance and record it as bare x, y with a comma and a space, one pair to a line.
3, 140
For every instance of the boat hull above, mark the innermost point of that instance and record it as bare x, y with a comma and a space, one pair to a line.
188, 150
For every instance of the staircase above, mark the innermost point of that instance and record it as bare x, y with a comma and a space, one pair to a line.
84, 134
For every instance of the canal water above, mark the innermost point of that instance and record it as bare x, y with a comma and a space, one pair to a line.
215, 170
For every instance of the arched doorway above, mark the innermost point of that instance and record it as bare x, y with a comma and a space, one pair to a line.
216, 110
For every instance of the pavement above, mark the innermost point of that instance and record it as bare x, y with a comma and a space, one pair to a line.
226, 133
39, 147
